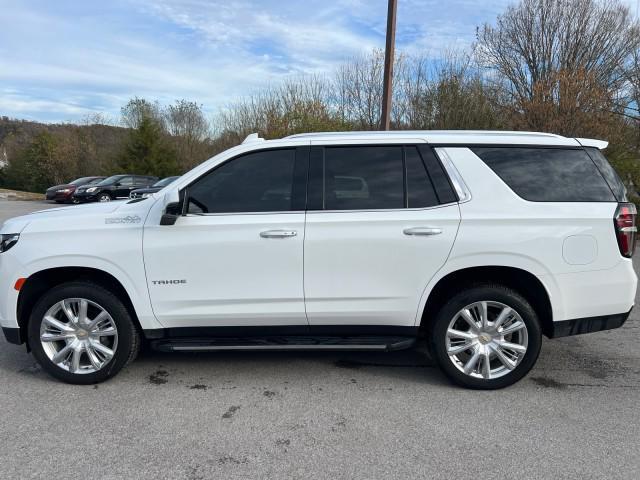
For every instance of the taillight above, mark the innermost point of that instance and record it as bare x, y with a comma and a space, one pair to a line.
625, 224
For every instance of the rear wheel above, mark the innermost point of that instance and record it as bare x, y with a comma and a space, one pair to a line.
486, 337
81, 333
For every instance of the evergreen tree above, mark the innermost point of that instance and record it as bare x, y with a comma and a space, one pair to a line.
148, 152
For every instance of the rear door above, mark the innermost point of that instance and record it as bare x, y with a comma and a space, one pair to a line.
379, 226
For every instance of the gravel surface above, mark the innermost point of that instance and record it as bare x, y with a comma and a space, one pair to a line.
328, 415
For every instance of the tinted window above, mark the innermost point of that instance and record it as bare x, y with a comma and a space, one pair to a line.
360, 178
110, 180
126, 181
610, 175
143, 180
548, 174
81, 181
165, 181
439, 177
256, 182
420, 191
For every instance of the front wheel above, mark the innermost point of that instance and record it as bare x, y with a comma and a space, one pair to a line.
81, 333
104, 197
486, 337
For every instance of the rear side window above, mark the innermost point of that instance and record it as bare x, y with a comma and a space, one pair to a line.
609, 174
363, 178
548, 174
439, 177
420, 190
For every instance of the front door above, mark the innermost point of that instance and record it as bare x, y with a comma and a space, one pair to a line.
236, 258
380, 229
124, 187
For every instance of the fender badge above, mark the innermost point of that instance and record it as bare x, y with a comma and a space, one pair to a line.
127, 219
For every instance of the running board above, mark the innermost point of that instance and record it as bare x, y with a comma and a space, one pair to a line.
283, 343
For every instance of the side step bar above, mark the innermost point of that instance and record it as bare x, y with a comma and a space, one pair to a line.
283, 343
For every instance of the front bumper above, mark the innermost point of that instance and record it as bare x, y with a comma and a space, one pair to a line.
85, 197
578, 326
59, 197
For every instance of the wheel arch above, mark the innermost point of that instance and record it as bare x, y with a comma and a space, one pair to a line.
524, 282
40, 282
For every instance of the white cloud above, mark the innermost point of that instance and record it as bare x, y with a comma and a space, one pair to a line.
63, 59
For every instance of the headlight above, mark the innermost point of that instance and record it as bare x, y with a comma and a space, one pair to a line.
64, 190
92, 189
145, 195
8, 240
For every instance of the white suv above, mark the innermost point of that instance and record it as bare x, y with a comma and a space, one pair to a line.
479, 241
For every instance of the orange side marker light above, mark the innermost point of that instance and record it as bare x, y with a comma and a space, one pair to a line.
19, 283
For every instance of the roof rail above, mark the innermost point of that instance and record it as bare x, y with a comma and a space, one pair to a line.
252, 138
424, 132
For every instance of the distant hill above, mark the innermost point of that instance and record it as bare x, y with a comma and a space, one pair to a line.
34, 155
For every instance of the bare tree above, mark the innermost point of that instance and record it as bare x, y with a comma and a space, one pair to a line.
137, 109
540, 46
189, 128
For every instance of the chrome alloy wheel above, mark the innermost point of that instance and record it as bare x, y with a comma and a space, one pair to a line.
486, 340
78, 335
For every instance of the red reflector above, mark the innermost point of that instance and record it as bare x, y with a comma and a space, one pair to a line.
19, 283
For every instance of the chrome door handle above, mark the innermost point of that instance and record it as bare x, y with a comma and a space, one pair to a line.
278, 233
422, 231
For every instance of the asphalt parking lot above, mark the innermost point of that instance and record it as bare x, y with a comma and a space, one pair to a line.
325, 415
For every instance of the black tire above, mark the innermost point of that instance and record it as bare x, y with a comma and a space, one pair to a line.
104, 197
128, 336
477, 293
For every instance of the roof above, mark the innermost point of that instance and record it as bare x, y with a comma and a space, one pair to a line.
452, 137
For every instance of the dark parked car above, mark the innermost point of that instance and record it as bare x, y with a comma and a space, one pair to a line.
112, 188
156, 187
64, 193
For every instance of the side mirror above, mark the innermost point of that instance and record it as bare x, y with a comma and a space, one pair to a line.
172, 207
117, 184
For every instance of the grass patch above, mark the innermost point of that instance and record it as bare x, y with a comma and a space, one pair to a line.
16, 195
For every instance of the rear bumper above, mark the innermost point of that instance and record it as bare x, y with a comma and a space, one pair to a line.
578, 326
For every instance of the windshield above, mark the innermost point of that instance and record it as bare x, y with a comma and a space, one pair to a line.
81, 181
165, 181
110, 180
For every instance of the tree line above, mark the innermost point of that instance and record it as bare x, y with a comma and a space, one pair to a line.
570, 67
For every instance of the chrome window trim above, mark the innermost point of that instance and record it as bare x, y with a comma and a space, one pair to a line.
464, 194
226, 214
381, 210
289, 212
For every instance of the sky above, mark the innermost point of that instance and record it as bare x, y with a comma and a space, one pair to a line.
65, 59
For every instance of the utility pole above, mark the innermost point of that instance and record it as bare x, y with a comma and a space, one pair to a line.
387, 88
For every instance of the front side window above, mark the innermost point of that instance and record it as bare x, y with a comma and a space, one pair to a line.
256, 182
363, 178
